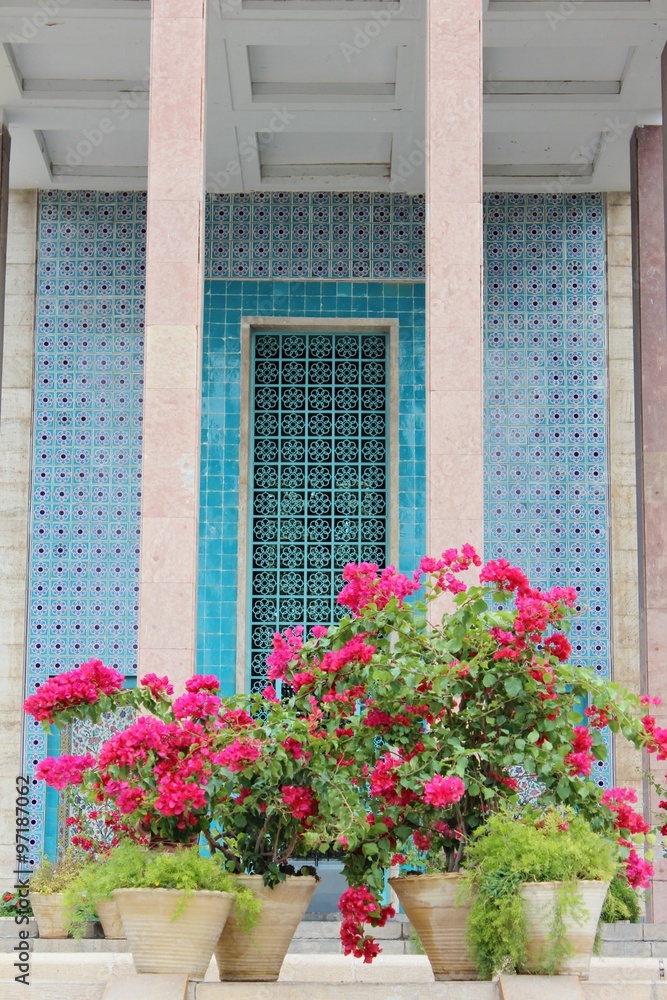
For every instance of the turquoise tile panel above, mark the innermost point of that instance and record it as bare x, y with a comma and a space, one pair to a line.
546, 407
226, 302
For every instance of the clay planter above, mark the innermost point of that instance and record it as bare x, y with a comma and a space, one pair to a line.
539, 903
170, 931
429, 902
256, 956
112, 925
49, 913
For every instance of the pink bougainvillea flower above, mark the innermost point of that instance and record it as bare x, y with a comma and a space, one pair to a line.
59, 772
441, 791
84, 685
157, 685
239, 754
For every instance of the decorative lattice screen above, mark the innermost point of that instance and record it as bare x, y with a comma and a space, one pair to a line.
319, 475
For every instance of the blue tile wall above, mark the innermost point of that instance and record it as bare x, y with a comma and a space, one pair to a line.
226, 302
545, 370
325, 254
321, 234
84, 528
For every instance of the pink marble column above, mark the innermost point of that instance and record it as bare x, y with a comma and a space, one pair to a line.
650, 358
454, 274
174, 283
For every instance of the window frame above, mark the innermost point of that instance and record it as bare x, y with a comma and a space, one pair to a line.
301, 324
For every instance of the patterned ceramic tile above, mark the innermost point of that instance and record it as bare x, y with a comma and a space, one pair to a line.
545, 424
84, 561
546, 461
320, 235
226, 302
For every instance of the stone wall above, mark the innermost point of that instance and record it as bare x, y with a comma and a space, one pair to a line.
622, 470
15, 449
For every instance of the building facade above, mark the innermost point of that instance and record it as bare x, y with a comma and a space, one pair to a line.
244, 341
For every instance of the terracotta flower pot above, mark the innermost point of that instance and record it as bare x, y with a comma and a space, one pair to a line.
430, 905
49, 913
539, 906
112, 925
256, 956
170, 931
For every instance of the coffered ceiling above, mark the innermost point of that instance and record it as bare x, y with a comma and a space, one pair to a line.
316, 94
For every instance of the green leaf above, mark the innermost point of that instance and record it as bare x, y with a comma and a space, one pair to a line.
563, 788
513, 685
489, 679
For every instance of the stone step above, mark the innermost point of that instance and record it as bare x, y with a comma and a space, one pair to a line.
97, 967
76, 990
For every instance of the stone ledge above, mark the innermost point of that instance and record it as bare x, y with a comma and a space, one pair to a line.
76, 990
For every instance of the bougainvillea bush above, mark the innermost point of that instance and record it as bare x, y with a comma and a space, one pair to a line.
432, 716
194, 766
388, 733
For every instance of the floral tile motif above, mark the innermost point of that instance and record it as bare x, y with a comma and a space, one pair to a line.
84, 530
321, 234
545, 405
324, 254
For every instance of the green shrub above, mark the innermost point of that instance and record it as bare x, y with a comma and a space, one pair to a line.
131, 866
621, 902
557, 846
49, 878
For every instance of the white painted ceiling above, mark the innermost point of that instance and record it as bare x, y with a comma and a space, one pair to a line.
314, 94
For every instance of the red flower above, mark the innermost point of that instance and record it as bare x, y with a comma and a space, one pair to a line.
302, 802
82, 686
579, 760
558, 646
157, 685
443, 792
295, 749
59, 772
239, 755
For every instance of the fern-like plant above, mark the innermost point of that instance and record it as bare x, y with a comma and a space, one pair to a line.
557, 846
132, 866
49, 877
621, 903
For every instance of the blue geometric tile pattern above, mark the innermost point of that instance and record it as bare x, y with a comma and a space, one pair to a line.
320, 234
547, 494
362, 255
226, 302
84, 559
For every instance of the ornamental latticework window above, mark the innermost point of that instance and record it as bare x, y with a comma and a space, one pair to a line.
319, 475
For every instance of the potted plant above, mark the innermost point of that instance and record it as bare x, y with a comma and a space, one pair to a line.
15, 910
394, 730
621, 903
273, 806
200, 766
48, 883
432, 714
173, 904
540, 881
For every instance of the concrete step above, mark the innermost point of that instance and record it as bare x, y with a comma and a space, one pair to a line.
97, 967
135, 988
